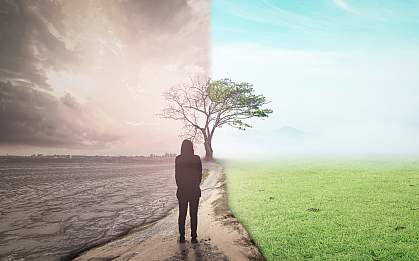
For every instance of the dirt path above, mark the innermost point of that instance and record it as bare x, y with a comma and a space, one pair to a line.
220, 236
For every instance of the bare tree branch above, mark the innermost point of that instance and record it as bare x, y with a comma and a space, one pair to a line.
204, 105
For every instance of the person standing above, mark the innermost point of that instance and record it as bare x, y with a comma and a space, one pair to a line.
188, 175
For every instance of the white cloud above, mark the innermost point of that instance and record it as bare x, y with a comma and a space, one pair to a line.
343, 5
265, 12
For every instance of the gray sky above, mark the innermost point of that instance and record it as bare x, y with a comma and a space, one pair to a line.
88, 76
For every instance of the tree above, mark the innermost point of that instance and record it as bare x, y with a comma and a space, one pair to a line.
205, 105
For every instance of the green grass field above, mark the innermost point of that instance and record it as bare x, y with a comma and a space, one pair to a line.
337, 209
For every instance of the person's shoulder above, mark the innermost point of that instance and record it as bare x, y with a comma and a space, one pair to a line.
177, 158
197, 157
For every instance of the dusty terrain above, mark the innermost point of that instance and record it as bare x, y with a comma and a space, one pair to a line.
54, 210
220, 236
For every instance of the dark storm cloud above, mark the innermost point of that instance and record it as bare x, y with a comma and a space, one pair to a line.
38, 37
31, 41
34, 117
32, 32
161, 15
133, 19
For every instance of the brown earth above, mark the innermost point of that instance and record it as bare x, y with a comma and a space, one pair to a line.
220, 235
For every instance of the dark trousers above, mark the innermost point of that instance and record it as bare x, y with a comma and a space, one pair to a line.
193, 213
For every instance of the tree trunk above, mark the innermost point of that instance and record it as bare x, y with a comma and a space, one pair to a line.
208, 150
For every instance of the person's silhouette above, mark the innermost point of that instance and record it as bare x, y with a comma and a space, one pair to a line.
188, 174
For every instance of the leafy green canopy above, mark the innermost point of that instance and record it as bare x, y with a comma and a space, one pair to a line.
236, 102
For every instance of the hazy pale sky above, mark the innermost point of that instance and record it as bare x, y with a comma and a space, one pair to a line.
342, 75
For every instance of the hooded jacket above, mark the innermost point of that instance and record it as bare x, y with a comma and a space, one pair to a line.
188, 174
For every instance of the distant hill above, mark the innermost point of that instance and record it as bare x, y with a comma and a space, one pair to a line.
289, 132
